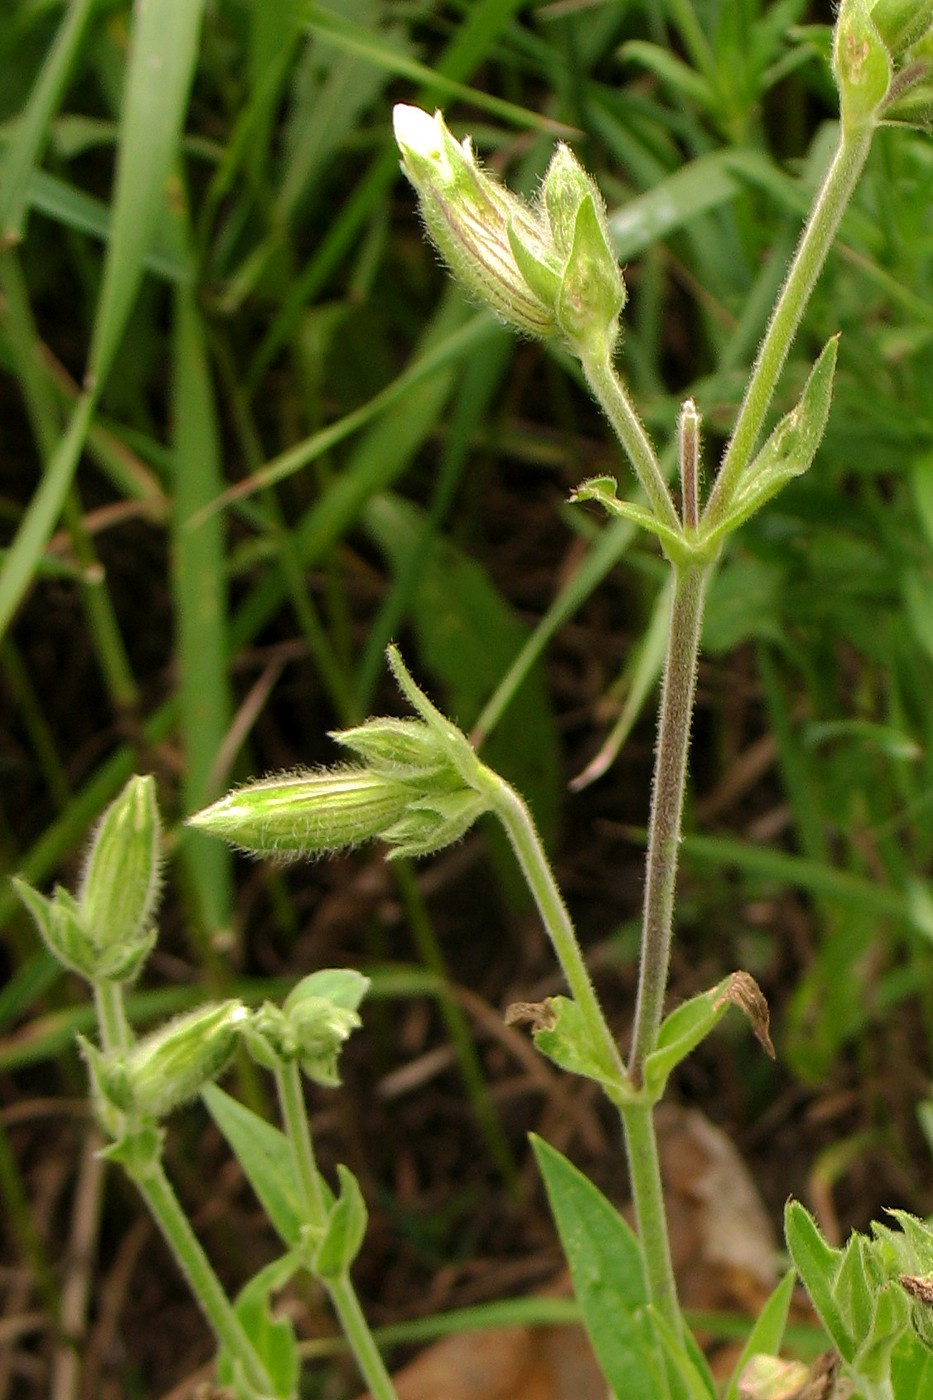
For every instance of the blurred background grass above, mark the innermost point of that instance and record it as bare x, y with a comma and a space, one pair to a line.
249, 432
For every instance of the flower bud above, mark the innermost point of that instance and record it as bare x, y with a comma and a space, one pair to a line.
467, 214
316, 1018
119, 890
106, 934
171, 1066
423, 787
306, 814
547, 268
592, 292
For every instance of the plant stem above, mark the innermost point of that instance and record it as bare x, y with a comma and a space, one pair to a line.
298, 1131
817, 238
340, 1290
644, 1169
611, 396
360, 1339
667, 800
163, 1204
520, 828
115, 1033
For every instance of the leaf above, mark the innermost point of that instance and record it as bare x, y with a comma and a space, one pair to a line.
164, 41
681, 1032
560, 1032
272, 1337
911, 1367
31, 129
853, 1290
346, 1227
607, 1268
684, 80
265, 1155
342, 986
818, 1264
688, 1025
890, 1317
791, 447
602, 489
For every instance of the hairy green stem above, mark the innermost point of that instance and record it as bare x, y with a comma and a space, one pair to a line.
520, 828
115, 1032
162, 1203
611, 396
817, 238
298, 1131
340, 1290
667, 800
644, 1169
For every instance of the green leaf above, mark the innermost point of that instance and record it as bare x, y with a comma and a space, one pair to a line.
602, 489
560, 1032
853, 1290
684, 1029
607, 1268
164, 41
199, 582
818, 1265
346, 1227
911, 1367
343, 986
681, 1032
791, 447
272, 1337
32, 126
265, 1155
890, 1317
684, 80
768, 1332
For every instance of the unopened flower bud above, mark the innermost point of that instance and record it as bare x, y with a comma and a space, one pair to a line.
592, 291
546, 268
423, 787
119, 890
171, 1066
316, 1018
467, 215
306, 814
